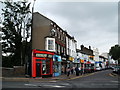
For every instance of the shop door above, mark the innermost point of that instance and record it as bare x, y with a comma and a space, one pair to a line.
38, 70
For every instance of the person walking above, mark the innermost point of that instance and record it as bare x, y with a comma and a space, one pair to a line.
77, 71
80, 70
72, 70
68, 71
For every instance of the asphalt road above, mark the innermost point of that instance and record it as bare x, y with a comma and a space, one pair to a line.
101, 79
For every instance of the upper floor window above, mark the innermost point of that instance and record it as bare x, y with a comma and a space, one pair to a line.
57, 28
51, 23
50, 45
54, 25
59, 35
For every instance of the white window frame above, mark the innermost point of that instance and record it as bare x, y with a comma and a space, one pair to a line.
47, 46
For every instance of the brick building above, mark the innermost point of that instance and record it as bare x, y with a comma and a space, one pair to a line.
47, 35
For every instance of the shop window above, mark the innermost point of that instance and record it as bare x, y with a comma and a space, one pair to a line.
57, 67
45, 66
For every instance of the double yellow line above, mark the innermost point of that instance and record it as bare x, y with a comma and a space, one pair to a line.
112, 75
79, 77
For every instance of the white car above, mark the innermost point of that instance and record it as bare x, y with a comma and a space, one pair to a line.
98, 68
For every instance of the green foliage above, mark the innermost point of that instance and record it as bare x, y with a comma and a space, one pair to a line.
115, 52
16, 29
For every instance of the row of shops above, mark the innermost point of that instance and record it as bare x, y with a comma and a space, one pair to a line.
45, 63
54, 50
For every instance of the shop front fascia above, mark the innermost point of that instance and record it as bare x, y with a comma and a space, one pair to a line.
42, 63
82, 63
57, 65
77, 62
64, 64
71, 59
91, 57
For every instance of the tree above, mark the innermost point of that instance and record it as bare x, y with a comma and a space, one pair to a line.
16, 29
115, 52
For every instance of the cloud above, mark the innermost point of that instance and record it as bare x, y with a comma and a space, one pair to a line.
92, 23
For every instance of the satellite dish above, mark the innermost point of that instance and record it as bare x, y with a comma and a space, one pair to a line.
53, 32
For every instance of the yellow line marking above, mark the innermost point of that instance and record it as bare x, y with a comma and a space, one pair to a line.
112, 75
37, 80
79, 77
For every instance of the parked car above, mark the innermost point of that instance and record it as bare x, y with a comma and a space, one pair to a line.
116, 69
98, 68
112, 67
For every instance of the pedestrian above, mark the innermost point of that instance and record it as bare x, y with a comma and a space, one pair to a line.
68, 71
74, 69
62, 69
71, 70
80, 70
77, 71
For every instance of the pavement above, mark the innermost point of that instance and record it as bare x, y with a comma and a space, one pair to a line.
61, 77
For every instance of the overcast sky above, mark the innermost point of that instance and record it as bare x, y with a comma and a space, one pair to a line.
91, 23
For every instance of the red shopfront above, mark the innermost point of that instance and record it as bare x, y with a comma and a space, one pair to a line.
42, 63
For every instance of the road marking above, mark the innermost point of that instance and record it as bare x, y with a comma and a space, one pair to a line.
114, 81
30, 85
79, 77
58, 86
52, 81
104, 84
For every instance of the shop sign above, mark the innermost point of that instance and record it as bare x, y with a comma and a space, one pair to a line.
75, 60
93, 62
81, 58
63, 58
82, 61
91, 56
88, 62
43, 55
78, 60
85, 57
57, 58
71, 58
